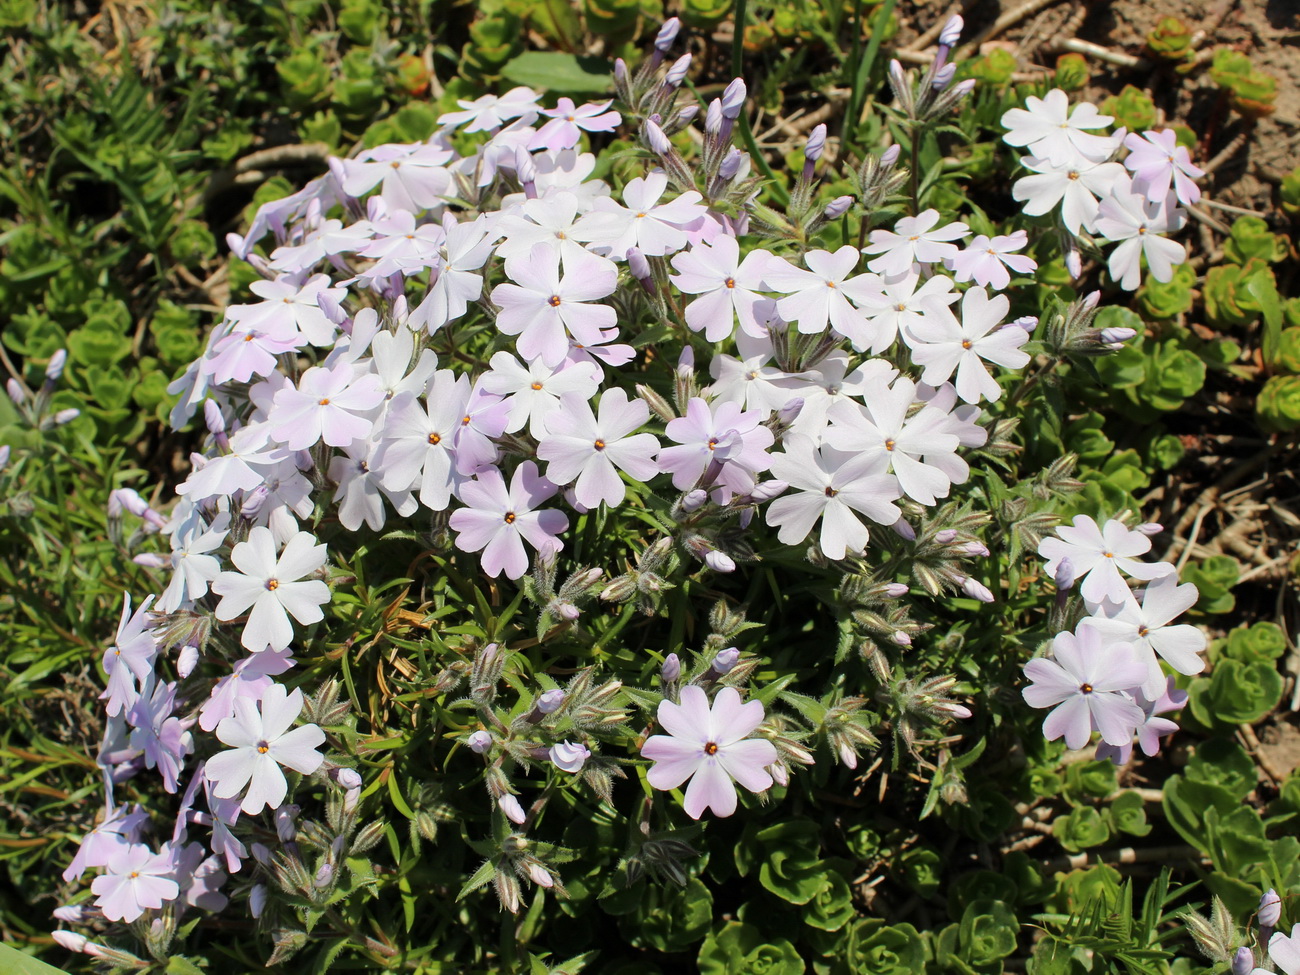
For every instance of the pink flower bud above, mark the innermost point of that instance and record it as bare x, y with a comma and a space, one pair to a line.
257, 900
348, 778
285, 827
964, 88
816, 144
1243, 962
569, 756
943, 77
1090, 300
186, 661
1028, 322
956, 710
977, 590
656, 139
780, 774
976, 549
725, 661
66, 416
733, 99
16, 392
667, 34
946, 537
890, 156
901, 638
1270, 908
713, 117
1065, 575
548, 702
719, 561
539, 875
694, 500
837, 207
324, 875
525, 168
260, 853
1115, 337
70, 913
151, 560
686, 116
894, 590
1073, 261
767, 491
479, 742
567, 611
71, 940
847, 756
620, 70
677, 73
671, 669
213, 418
951, 32
510, 806
1150, 528
730, 165
54, 368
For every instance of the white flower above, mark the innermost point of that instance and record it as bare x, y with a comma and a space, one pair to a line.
1098, 554
914, 239
825, 293
270, 586
1076, 186
1131, 218
260, 744
943, 344
1147, 629
1051, 131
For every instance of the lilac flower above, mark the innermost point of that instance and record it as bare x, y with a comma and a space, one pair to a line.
260, 743
541, 306
118, 830
903, 303
137, 880
551, 219
288, 308
1147, 629
1098, 555
720, 445
1077, 186
534, 390
391, 361
920, 450
569, 121
1053, 132
361, 489
1155, 159
728, 287
656, 228
914, 239
413, 177
250, 679
1284, 950
485, 418
417, 444
454, 284
985, 261
400, 246
711, 747
1153, 728
589, 450
270, 586
498, 520
130, 658
163, 738
246, 352
1128, 217
832, 485
324, 406
1085, 685
242, 469
194, 568
488, 112
943, 344
823, 293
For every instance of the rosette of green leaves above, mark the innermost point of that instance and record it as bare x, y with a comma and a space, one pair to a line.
1215, 578
1170, 39
1132, 108
1253, 92
791, 866
738, 947
986, 934
1278, 405
871, 945
493, 40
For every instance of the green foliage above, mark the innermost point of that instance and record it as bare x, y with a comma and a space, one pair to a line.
1253, 92
1132, 108
1214, 578
1170, 39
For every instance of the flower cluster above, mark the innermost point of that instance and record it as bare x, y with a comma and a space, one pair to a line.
464, 346
1106, 675
1074, 173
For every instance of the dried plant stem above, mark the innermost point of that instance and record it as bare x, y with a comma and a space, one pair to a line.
1228, 151
1074, 45
1008, 19
1128, 854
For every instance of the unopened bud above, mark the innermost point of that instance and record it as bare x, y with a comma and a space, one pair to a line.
694, 500
901, 638
655, 139
70, 913
257, 900
1115, 337
479, 742
719, 561
904, 530
213, 418
951, 32
946, 537
837, 207
566, 611
66, 416
667, 34
725, 661
1270, 908
964, 88
548, 702
977, 590
1073, 260
150, 560
1243, 962
186, 661
780, 774
72, 941
510, 806
730, 164
974, 549
816, 144
324, 874
767, 490
1150, 528
733, 99
713, 117
1028, 322
671, 668
54, 368
686, 116
525, 167
677, 73
620, 71
1065, 575
348, 778
16, 392
890, 156
943, 77
285, 827
539, 875
1090, 300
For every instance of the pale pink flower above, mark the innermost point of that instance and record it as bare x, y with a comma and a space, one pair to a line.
270, 585
914, 239
136, 880
1156, 159
325, 405
711, 747
498, 520
1146, 627
986, 260
590, 450
943, 344
656, 228
568, 121
1052, 131
1137, 223
1098, 555
825, 294
728, 287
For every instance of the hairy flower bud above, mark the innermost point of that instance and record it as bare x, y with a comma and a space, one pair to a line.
943, 77
677, 72
946, 537
977, 590
730, 165
713, 117
54, 368
1270, 908
539, 875
837, 207
816, 144
668, 33
901, 638
671, 669
733, 99
951, 32
893, 590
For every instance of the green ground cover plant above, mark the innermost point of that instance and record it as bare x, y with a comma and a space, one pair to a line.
649, 538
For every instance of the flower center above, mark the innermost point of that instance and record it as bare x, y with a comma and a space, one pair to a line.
640, 216
536, 385
1143, 630
965, 343
711, 748
598, 444
830, 284
323, 402
889, 445
730, 282
713, 443
435, 439
263, 747
831, 492
510, 518
1109, 555
1072, 174
1085, 688
396, 164
553, 301
465, 421
134, 874
272, 585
